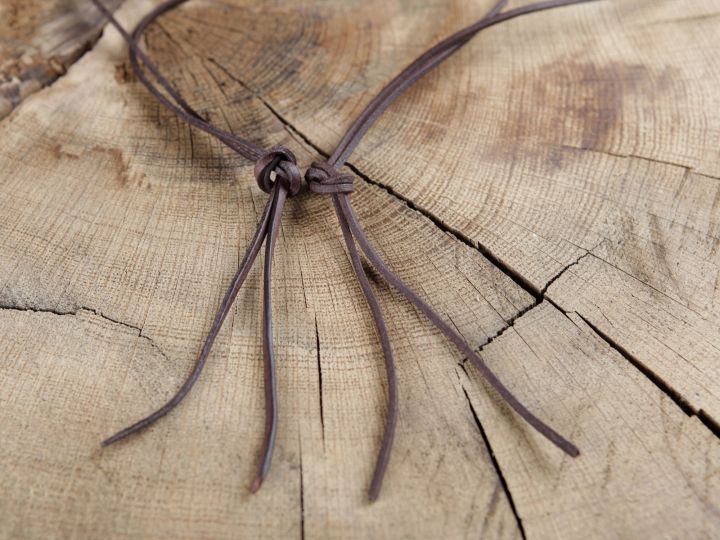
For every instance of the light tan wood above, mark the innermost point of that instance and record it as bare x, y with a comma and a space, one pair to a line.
573, 243
636, 442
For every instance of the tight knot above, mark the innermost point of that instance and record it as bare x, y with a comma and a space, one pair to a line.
282, 162
324, 178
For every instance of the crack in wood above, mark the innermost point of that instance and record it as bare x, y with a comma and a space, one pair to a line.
538, 300
11, 95
682, 403
291, 129
709, 422
76, 311
687, 168
496, 465
302, 492
320, 381
557, 276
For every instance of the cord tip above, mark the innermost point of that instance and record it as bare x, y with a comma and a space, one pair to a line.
256, 485
569, 448
106, 443
115, 438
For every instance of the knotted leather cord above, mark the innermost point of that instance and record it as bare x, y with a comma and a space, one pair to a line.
277, 174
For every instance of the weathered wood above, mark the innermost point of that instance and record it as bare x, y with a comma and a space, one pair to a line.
39, 40
636, 442
574, 243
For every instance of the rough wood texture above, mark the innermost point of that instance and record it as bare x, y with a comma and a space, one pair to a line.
576, 244
39, 39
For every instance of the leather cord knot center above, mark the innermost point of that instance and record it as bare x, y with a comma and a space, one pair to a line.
322, 177
282, 162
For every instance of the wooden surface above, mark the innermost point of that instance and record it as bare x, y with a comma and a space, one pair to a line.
39, 39
575, 242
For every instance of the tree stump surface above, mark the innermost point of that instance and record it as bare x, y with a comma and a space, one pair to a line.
553, 190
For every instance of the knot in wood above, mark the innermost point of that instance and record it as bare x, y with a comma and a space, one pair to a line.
324, 178
282, 162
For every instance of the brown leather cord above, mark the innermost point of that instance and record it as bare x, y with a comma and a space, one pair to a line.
243, 147
271, 415
242, 272
277, 174
425, 63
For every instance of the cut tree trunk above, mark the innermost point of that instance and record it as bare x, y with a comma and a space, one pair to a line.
39, 39
553, 190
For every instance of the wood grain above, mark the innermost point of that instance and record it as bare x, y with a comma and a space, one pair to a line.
573, 242
39, 39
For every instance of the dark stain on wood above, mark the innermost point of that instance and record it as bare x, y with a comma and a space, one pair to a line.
124, 73
59, 151
114, 156
574, 103
117, 160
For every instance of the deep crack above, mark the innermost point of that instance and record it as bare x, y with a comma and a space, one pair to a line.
654, 378
496, 465
60, 66
538, 300
320, 381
